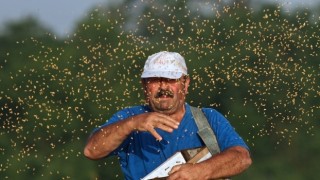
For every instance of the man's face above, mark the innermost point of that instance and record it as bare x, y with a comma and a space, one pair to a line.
166, 95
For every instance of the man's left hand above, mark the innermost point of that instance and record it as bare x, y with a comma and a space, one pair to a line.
184, 172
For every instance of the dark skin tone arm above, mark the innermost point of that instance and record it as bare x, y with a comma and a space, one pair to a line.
107, 139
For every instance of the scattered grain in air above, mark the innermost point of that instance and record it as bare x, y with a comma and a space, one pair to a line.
53, 96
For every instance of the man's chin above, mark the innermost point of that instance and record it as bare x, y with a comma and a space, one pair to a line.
163, 105
163, 109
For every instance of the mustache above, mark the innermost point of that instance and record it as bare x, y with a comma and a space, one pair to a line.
163, 92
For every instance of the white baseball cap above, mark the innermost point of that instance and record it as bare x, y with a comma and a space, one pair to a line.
165, 64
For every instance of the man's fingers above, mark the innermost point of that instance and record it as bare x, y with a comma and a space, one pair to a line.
167, 121
155, 134
156, 120
165, 128
165, 124
174, 169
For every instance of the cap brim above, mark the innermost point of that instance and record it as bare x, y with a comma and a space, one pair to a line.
165, 74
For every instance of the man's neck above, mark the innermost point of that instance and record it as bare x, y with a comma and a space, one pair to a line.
179, 114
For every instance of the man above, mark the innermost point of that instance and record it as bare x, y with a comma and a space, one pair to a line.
145, 136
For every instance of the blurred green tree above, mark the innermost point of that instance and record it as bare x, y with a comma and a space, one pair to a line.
258, 67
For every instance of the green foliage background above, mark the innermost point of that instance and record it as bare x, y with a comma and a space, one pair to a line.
259, 67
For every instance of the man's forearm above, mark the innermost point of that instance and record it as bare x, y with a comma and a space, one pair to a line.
107, 139
231, 162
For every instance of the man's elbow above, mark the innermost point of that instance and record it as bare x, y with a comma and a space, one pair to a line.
90, 154
246, 159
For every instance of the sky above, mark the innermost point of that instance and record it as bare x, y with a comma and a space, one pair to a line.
61, 15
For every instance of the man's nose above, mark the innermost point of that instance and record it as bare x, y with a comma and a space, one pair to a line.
163, 83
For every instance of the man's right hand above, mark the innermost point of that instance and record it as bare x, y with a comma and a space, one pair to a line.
151, 120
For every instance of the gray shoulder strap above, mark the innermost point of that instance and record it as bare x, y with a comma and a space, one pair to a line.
205, 131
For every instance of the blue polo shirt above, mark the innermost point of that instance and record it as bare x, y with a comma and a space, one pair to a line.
140, 153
